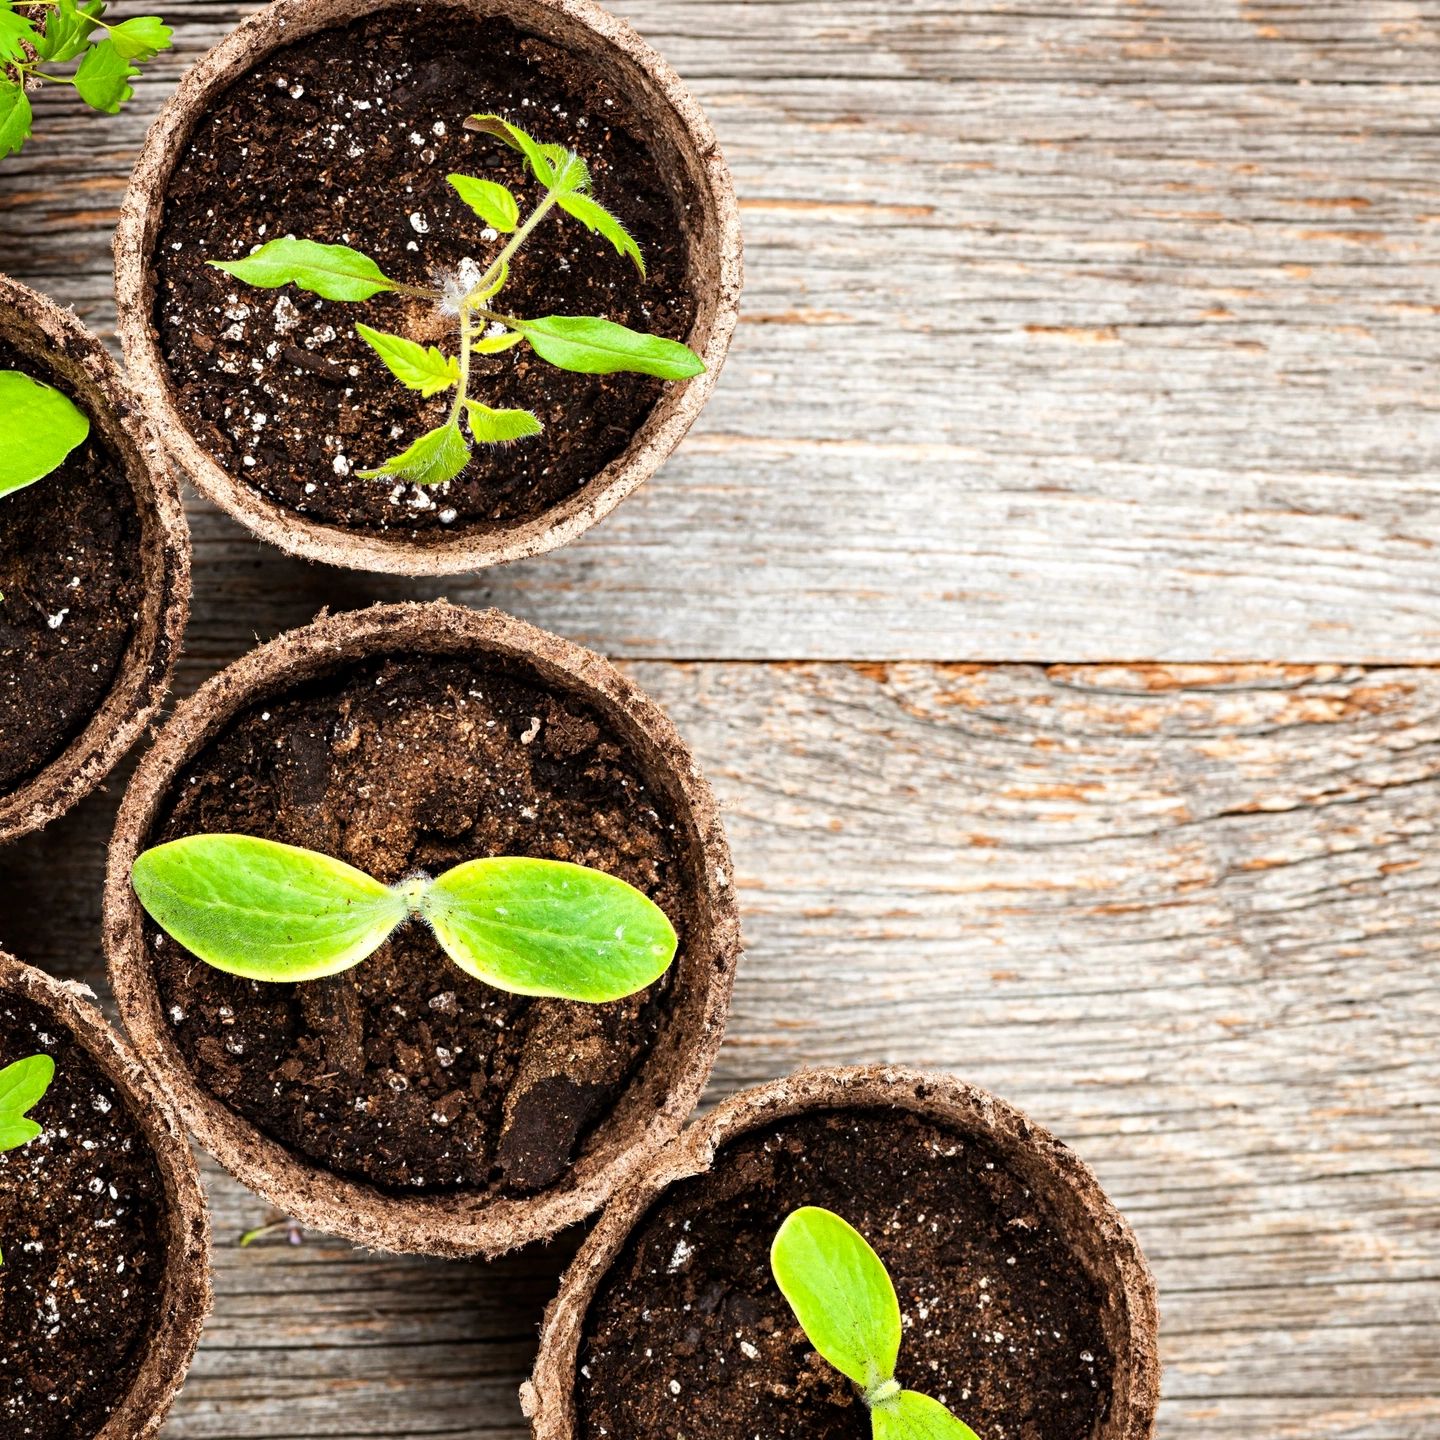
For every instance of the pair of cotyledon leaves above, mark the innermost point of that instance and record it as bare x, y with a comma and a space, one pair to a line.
586, 344
268, 911
39, 427
845, 1302
67, 32
22, 1085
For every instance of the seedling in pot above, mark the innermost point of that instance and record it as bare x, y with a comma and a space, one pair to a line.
39, 427
845, 1302
587, 344
38, 35
22, 1087
268, 911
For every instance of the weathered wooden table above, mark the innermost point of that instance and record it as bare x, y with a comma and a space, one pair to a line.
1079, 340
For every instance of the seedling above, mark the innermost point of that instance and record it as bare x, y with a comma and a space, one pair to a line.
845, 1302
584, 343
22, 1086
269, 911
36, 35
39, 427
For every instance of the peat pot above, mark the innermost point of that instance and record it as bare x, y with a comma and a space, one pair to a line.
338, 121
403, 1103
1029, 1310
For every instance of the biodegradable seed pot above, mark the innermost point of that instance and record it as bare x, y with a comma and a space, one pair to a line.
340, 122
104, 1283
1027, 1306
403, 1102
94, 567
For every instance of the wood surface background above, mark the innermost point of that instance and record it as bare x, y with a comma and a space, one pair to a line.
1079, 338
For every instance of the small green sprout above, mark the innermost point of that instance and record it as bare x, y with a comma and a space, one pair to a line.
845, 1302
38, 34
39, 427
267, 911
22, 1087
583, 343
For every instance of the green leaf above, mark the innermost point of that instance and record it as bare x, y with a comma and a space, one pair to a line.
913, 1416
593, 346
437, 456
264, 910
517, 139
16, 32
39, 427
333, 272
595, 217
14, 1133
496, 427
15, 117
23, 1085
494, 344
142, 38
492, 202
67, 29
103, 79
840, 1292
543, 927
570, 171
417, 367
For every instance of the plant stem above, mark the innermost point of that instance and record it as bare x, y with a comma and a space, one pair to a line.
463, 388
498, 264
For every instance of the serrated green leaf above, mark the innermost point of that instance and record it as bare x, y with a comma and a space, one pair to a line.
23, 1084
417, 367
840, 1292
437, 456
67, 29
494, 344
15, 1133
264, 910
103, 79
333, 272
570, 172
491, 201
517, 139
39, 427
497, 427
593, 346
544, 927
15, 117
595, 217
16, 32
913, 1416
142, 38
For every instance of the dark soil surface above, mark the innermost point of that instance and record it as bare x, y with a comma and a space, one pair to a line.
346, 138
405, 1071
82, 1226
70, 576
690, 1336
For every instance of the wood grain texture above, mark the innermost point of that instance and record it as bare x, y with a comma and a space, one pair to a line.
1073, 332
1101, 330
1187, 917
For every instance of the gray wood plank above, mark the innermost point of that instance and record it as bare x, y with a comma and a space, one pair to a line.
1186, 916
1094, 331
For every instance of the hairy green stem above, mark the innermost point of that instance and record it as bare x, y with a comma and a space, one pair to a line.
462, 389
497, 265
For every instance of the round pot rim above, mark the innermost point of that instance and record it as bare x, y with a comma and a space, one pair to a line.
282, 22
658, 1097
143, 675
548, 1396
186, 1297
